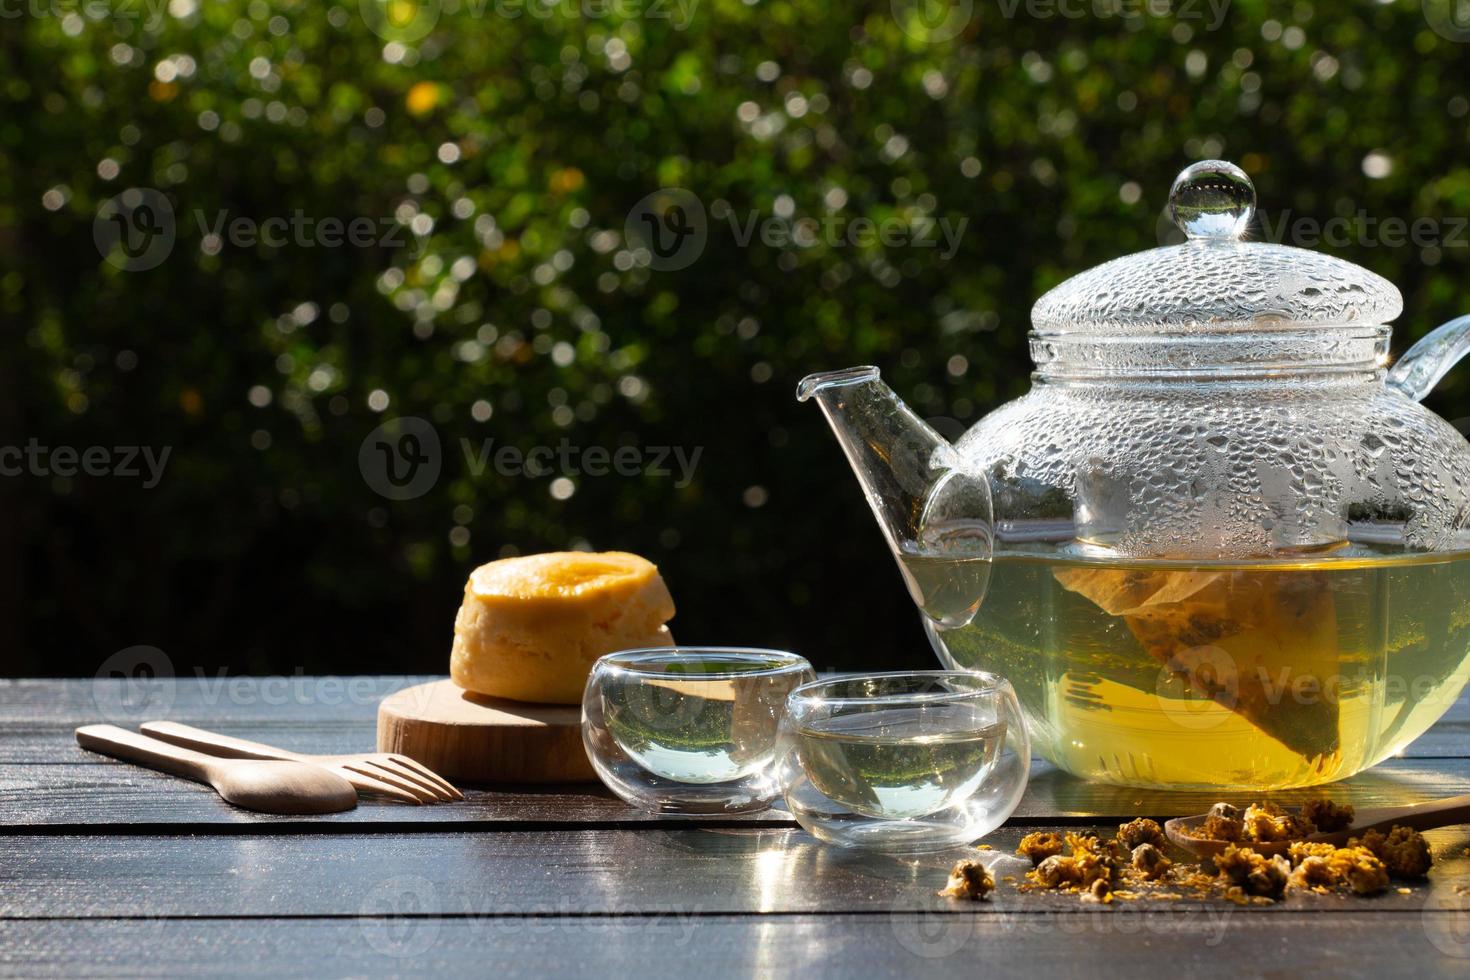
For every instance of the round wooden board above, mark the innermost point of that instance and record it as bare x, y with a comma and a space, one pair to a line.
478, 739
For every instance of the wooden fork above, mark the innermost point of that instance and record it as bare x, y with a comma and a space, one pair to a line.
384, 773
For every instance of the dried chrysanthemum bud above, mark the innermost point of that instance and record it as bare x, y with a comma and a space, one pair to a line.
1056, 871
1141, 831
970, 880
1218, 827
1039, 846
1367, 875
1150, 861
1403, 851
1314, 871
1225, 811
1327, 816
1269, 878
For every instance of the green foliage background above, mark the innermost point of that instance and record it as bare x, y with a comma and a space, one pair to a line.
263, 548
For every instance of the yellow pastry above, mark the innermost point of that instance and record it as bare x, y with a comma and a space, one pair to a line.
530, 628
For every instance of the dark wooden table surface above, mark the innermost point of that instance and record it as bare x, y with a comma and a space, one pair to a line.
108, 869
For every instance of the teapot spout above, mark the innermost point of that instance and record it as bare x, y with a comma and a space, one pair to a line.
935, 516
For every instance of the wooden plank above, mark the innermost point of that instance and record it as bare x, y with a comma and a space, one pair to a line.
309, 714
1076, 945
23, 742
603, 872
40, 741
1448, 738
117, 796
114, 795
195, 698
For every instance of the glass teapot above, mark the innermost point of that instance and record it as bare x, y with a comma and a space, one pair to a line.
1219, 544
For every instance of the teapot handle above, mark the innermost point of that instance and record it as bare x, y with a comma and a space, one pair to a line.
1422, 365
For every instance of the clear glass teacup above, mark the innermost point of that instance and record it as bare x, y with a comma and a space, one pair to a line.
690, 729
904, 762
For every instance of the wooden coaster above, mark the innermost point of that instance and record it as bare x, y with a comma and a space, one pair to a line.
478, 739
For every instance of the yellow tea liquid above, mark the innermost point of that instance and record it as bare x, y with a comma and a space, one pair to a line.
1251, 675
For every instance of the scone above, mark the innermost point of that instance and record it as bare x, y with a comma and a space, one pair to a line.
530, 628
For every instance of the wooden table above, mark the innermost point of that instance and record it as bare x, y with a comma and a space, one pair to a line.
108, 869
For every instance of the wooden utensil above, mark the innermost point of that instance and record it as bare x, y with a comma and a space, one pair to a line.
383, 773
483, 739
268, 787
1420, 816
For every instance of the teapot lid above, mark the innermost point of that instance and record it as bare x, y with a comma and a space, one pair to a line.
1216, 281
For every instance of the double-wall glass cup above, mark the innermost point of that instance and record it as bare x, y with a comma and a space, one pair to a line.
690, 729
904, 762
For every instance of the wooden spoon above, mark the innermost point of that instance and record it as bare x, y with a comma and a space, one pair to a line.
1420, 816
268, 787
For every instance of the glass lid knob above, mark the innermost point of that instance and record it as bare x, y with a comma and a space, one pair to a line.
1212, 200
